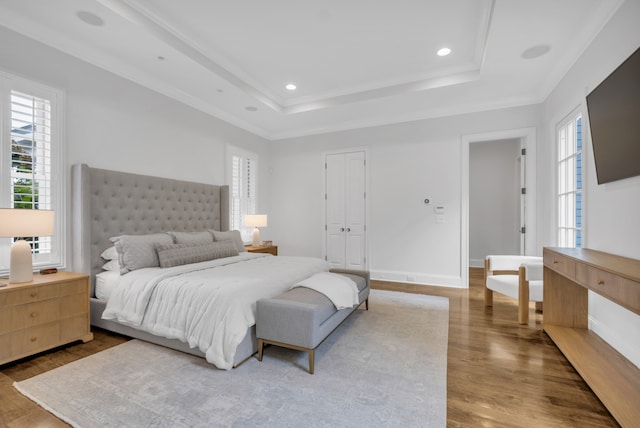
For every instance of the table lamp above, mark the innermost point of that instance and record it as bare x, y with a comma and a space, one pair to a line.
20, 223
255, 221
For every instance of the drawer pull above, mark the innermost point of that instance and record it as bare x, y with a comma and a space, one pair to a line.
34, 338
34, 294
601, 282
555, 262
34, 314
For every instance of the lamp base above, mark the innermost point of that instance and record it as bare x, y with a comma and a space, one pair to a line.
256, 238
21, 269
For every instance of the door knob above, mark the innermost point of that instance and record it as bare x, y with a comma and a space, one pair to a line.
342, 229
348, 229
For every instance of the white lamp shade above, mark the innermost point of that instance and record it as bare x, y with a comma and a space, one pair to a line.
255, 220
16, 222
23, 223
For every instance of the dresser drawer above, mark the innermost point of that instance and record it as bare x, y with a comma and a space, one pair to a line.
74, 328
74, 287
563, 265
34, 314
621, 290
28, 295
5, 347
35, 339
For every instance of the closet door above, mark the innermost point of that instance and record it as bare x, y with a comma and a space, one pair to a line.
345, 210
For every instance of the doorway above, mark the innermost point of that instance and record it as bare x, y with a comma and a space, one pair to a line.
495, 199
527, 136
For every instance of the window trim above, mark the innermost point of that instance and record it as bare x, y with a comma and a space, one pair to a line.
8, 82
573, 116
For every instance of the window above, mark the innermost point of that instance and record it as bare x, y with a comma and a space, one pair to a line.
569, 196
30, 163
242, 179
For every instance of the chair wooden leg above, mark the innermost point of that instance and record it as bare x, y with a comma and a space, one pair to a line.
366, 304
523, 297
488, 294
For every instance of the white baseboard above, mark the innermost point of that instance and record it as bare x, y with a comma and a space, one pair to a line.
617, 342
417, 278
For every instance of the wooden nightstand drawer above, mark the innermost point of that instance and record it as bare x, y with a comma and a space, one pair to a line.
21, 296
34, 314
72, 328
5, 347
35, 339
74, 287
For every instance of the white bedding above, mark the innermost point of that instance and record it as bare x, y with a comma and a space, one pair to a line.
342, 291
210, 304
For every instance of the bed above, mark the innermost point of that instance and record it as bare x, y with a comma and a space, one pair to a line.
109, 204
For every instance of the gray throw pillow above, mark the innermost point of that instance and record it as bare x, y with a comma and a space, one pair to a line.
233, 235
203, 237
171, 255
139, 251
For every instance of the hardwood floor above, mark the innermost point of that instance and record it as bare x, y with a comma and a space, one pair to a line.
500, 374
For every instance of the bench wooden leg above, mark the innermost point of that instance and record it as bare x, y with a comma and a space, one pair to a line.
311, 359
260, 348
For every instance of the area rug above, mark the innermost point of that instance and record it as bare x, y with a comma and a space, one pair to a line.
382, 367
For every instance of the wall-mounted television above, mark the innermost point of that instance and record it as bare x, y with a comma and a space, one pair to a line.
614, 120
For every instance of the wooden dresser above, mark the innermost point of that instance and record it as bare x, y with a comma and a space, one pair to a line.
569, 274
50, 311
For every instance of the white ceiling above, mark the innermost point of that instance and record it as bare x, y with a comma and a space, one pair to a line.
356, 63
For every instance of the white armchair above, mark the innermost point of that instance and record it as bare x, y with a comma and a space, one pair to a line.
519, 277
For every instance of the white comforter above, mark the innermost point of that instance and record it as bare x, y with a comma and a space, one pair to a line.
210, 304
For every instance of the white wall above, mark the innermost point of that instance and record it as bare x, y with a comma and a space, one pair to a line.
408, 163
494, 200
611, 210
115, 124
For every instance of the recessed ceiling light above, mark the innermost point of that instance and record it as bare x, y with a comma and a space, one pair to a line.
251, 108
535, 51
291, 87
444, 52
161, 58
90, 18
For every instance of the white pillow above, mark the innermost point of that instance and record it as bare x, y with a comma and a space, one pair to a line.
112, 265
110, 253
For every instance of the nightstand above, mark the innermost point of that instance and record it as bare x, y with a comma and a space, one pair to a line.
271, 249
50, 311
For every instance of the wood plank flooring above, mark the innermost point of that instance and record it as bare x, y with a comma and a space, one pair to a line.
500, 374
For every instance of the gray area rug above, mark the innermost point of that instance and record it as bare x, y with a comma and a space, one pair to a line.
385, 367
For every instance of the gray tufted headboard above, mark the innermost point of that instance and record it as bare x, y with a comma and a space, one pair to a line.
110, 203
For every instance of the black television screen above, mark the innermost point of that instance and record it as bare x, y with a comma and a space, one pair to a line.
614, 120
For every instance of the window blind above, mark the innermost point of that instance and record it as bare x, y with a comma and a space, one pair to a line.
31, 166
243, 189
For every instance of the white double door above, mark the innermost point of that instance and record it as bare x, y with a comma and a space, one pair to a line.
345, 194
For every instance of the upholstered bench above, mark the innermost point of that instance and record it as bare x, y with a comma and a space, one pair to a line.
302, 318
